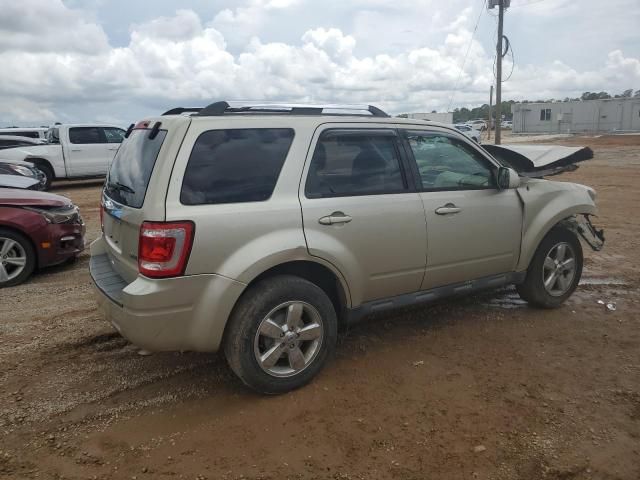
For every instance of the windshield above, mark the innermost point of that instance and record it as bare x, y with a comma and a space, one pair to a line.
132, 166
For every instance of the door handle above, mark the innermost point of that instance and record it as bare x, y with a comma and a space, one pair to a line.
76, 149
334, 219
448, 209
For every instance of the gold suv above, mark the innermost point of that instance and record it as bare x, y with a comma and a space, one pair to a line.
262, 229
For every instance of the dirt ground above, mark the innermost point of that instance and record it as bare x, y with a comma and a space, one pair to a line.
473, 388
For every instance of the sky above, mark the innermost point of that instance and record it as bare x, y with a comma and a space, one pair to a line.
119, 61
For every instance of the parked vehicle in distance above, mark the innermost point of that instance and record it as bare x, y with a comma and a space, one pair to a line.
12, 141
469, 131
37, 230
506, 124
263, 229
478, 124
29, 132
18, 181
72, 151
22, 169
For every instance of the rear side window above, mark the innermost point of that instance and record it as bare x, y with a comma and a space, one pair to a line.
235, 165
132, 166
86, 135
354, 164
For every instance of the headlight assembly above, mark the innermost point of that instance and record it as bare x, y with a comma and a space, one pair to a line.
66, 214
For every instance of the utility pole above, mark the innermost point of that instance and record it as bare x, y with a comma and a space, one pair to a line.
499, 71
490, 104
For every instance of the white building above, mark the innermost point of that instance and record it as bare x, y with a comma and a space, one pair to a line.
589, 116
442, 117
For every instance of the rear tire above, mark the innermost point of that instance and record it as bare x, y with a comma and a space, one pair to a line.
17, 258
555, 270
280, 334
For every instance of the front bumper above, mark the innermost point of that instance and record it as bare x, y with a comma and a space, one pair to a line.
60, 242
182, 313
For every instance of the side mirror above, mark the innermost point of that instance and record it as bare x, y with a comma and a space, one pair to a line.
508, 178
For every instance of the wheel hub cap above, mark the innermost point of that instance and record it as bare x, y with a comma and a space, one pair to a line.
559, 269
14, 259
288, 339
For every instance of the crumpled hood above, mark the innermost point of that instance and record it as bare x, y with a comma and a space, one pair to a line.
22, 198
540, 160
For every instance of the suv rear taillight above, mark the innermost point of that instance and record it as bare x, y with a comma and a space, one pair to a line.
163, 248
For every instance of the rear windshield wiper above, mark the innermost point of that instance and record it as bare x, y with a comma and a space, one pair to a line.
122, 187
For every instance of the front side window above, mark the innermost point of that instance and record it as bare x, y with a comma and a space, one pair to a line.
53, 135
235, 165
114, 135
447, 163
352, 163
86, 135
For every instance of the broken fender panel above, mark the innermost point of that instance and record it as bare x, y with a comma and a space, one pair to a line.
581, 224
546, 204
537, 161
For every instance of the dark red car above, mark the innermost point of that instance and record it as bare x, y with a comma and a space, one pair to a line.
37, 230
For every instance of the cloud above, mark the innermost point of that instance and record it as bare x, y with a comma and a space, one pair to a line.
182, 60
48, 26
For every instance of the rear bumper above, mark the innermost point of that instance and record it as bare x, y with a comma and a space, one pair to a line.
182, 313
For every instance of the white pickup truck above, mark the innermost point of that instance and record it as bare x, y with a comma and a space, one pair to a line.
72, 151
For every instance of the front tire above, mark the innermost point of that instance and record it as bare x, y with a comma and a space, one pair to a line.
280, 334
17, 258
554, 271
47, 171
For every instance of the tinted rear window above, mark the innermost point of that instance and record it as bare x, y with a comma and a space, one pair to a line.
132, 166
235, 165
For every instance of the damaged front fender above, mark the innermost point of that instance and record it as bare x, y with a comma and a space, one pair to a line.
547, 204
582, 226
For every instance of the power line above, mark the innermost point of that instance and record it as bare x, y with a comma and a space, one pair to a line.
513, 61
464, 61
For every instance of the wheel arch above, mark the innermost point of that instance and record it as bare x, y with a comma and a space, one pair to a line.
43, 161
320, 274
16, 229
542, 224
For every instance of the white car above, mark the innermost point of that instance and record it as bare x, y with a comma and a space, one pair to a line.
31, 132
469, 131
72, 151
12, 141
507, 124
478, 124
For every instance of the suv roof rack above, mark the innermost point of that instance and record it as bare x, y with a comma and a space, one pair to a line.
181, 110
221, 108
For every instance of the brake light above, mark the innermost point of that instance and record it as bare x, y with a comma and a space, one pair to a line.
164, 248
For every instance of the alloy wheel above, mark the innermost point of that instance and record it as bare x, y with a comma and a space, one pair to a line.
559, 269
13, 259
288, 339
